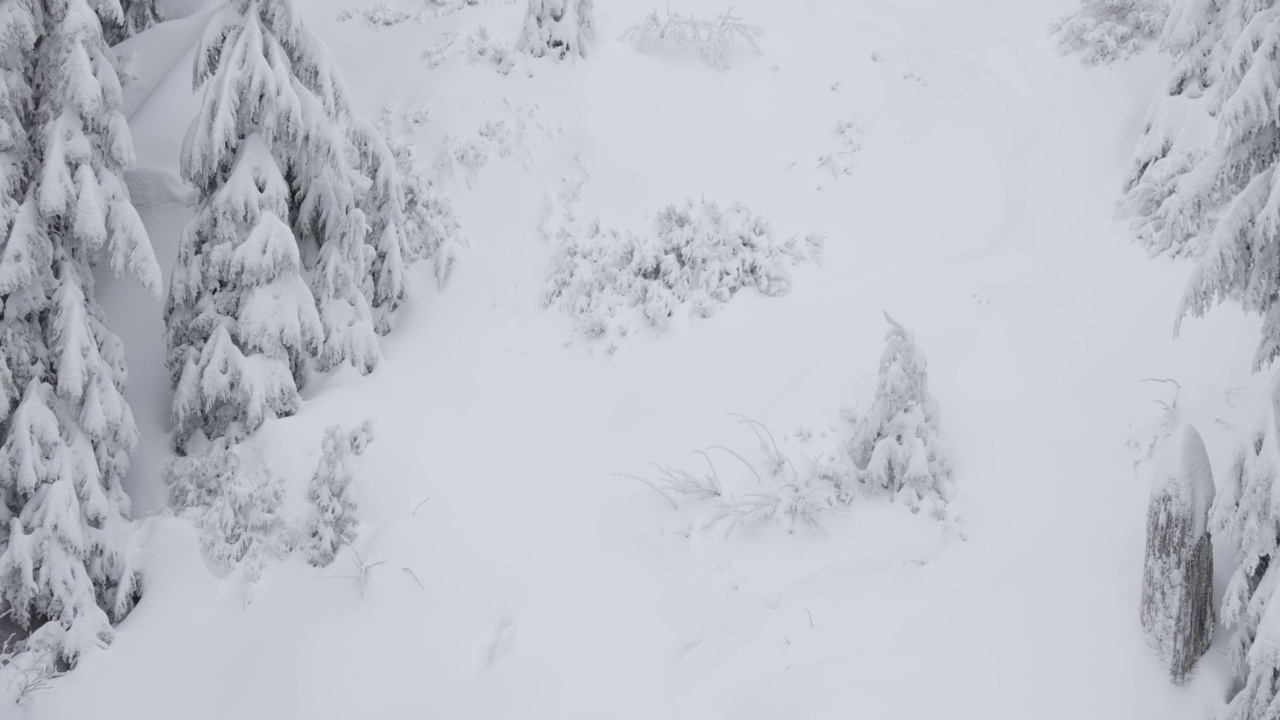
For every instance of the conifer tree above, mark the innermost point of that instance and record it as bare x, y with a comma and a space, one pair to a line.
895, 443
64, 571
559, 28
273, 274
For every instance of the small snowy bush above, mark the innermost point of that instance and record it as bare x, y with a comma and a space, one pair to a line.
482, 48
697, 257
381, 15
236, 505
713, 39
559, 28
895, 443
1104, 31
333, 495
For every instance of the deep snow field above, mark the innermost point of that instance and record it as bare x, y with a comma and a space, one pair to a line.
524, 577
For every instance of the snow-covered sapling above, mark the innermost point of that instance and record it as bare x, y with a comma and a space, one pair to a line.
333, 494
1177, 580
895, 443
237, 505
559, 28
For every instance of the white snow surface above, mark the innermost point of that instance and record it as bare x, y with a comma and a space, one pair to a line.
524, 579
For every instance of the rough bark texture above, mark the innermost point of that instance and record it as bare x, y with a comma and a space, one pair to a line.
1177, 587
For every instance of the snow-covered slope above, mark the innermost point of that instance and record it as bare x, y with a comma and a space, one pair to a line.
522, 577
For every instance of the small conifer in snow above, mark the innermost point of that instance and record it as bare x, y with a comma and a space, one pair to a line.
1177, 582
895, 444
559, 28
333, 494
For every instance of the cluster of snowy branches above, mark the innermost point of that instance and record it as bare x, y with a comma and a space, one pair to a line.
66, 432
894, 452
558, 28
697, 257
238, 503
714, 39
381, 15
295, 258
1104, 31
1204, 183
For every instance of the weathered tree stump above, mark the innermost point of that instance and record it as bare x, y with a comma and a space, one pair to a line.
1177, 583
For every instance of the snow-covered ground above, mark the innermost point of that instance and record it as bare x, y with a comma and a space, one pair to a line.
523, 577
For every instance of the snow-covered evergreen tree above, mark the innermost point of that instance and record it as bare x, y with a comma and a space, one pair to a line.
384, 207
895, 443
1245, 515
1177, 582
559, 28
135, 16
1103, 31
1206, 135
333, 494
64, 569
273, 272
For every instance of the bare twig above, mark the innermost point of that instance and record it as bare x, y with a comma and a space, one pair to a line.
414, 575
810, 617
419, 505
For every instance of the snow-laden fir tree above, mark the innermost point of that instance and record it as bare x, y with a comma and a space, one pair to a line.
559, 28
1242, 258
272, 273
1177, 581
135, 16
1103, 31
895, 443
333, 494
383, 206
1206, 134
1245, 516
64, 566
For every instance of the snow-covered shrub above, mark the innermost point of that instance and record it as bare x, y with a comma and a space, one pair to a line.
559, 28
481, 48
381, 15
24, 672
436, 54
771, 488
713, 39
895, 443
1177, 580
237, 505
333, 494
135, 16
697, 257
1104, 31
